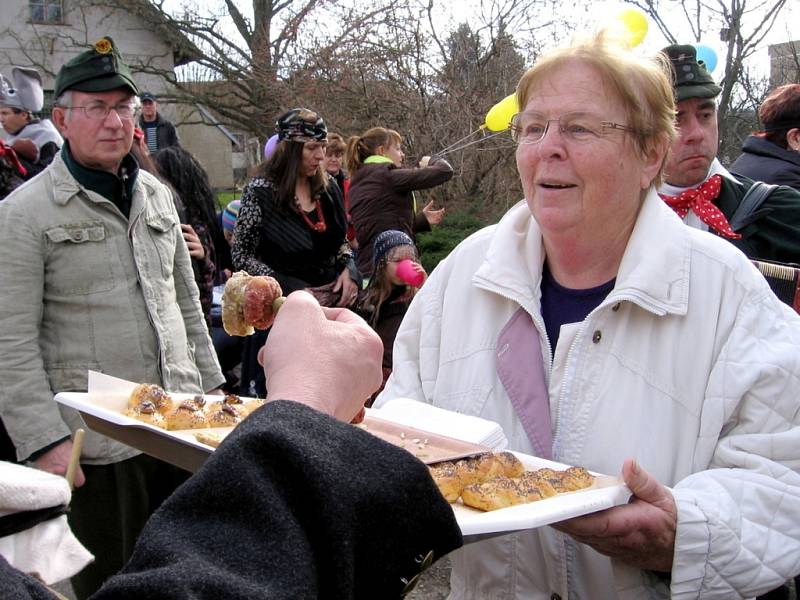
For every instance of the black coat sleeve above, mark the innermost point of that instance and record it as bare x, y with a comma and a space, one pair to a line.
19, 586
293, 504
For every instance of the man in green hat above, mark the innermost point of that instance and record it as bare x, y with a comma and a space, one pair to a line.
702, 191
96, 276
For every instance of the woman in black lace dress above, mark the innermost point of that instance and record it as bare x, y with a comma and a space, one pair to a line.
292, 225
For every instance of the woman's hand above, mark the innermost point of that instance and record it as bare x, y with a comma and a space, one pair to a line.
326, 358
193, 242
640, 533
433, 215
348, 288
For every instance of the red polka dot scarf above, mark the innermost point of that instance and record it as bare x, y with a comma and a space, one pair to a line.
700, 200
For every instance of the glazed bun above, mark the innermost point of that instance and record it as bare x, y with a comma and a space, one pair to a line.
252, 404
249, 303
146, 412
189, 414
149, 392
222, 414
233, 305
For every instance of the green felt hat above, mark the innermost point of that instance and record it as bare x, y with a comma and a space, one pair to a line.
690, 78
99, 69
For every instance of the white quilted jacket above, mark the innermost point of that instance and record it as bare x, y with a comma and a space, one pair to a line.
690, 365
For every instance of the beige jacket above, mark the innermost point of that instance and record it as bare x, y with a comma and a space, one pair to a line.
85, 288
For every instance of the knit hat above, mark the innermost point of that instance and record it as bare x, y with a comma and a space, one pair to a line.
99, 69
690, 78
385, 242
230, 214
291, 126
26, 94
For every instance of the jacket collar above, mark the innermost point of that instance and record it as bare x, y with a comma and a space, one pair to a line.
762, 147
654, 272
65, 187
106, 184
377, 159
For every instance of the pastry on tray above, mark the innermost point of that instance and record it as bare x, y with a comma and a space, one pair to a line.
146, 412
188, 414
210, 438
222, 414
494, 481
150, 392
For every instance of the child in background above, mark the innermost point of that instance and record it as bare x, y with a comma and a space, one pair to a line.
397, 275
229, 216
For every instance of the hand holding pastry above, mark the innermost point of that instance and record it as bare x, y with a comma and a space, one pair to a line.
327, 358
640, 533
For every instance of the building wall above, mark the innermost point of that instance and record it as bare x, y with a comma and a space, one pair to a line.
784, 61
47, 47
211, 147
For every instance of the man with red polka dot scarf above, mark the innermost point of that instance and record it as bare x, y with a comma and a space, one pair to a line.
701, 191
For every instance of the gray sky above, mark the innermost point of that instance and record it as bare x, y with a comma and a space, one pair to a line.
599, 13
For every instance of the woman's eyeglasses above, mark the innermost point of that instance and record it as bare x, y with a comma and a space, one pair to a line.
531, 127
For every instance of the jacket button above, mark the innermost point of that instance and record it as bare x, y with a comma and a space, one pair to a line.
555, 596
410, 585
596, 336
424, 561
78, 236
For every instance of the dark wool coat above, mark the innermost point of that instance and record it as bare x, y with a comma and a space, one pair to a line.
381, 198
761, 160
293, 505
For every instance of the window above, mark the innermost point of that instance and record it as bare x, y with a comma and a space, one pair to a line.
238, 145
46, 11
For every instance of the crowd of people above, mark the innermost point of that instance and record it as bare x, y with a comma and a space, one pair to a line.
591, 323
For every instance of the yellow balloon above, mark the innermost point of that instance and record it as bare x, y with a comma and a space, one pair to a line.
635, 26
499, 116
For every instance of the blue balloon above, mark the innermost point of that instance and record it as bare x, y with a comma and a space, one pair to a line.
707, 55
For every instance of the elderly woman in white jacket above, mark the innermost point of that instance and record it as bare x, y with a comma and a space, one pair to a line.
600, 331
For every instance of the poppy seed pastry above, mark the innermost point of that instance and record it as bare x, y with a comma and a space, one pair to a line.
187, 415
146, 412
150, 392
222, 414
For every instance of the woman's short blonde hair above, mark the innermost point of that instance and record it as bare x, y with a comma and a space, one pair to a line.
643, 85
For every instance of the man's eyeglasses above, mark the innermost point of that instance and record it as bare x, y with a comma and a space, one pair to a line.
530, 127
100, 110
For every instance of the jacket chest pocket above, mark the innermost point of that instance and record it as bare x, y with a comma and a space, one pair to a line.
161, 228
78, 260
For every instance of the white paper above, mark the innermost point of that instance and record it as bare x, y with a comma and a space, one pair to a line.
422, 415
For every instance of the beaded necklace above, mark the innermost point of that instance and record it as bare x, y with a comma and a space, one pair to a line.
320, 226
